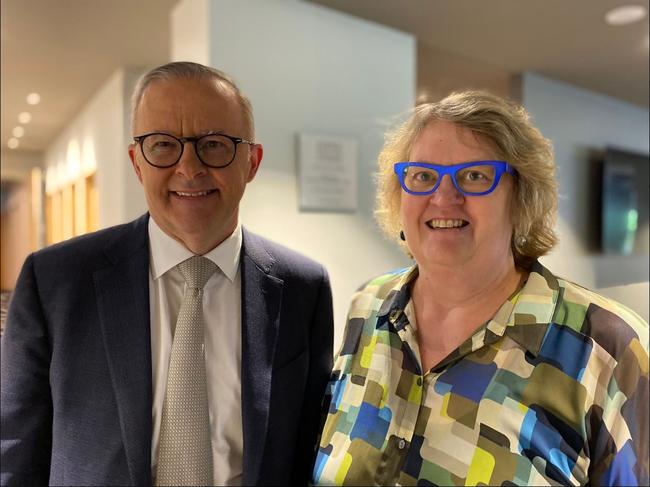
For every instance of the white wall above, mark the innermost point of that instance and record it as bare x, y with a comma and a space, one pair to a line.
16, 164
310, 69
440, 72
190, 37
580, 122
99, 136
634, 296
134, 203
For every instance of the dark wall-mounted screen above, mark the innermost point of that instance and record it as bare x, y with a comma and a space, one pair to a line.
625, 201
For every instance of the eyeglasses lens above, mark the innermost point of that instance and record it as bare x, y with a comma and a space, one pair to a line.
215, 150
161, 150
420, 179
472, 179
476, 179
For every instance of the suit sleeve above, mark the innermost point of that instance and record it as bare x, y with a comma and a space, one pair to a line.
26, 403
320, 367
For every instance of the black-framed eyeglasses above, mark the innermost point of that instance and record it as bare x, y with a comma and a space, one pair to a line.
165, 150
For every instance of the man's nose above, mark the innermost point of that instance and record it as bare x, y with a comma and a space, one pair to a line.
189, 165
447, 193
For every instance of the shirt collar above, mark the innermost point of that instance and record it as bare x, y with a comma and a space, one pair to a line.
533, 310
397, 297
524, 318
166, 253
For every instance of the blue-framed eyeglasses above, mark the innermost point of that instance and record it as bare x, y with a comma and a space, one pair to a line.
475, 178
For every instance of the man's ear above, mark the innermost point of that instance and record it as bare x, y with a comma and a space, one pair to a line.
136, 167
255, 159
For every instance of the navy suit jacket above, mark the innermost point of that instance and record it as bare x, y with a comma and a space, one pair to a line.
76, 362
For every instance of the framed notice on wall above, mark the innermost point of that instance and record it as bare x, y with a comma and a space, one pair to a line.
327, 173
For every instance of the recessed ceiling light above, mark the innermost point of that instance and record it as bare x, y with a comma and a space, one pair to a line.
24, 117
18, 132
12, 143
33, 99
625, 15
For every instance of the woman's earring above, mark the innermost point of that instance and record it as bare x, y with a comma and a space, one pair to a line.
401, 236
520, 241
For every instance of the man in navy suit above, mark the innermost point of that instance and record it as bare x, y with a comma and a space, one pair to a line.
90, 330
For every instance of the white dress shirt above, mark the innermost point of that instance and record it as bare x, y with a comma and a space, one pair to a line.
222, 312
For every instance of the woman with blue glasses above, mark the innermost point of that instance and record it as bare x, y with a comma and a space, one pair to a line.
477, 365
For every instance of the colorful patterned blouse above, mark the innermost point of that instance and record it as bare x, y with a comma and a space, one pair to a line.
552, 391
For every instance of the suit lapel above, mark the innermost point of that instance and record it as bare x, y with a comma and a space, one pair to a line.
122, 291
261, 300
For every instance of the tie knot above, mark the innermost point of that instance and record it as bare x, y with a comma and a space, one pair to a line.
196, 271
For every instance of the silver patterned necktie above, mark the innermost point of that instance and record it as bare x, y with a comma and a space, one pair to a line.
185, 447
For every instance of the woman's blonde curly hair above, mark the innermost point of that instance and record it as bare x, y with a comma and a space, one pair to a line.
508, 128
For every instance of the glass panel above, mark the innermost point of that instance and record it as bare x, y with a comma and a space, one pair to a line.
67, 213
49, 223
56, 234
92, 203
80, 208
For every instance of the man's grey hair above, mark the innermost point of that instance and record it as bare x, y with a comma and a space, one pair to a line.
190, 70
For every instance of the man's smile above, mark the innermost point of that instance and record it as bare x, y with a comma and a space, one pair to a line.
193, 194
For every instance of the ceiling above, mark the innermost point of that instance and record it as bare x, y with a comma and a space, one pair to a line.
564, 40
66, 50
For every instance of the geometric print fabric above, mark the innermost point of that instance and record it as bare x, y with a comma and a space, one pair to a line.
552, 391
185, 451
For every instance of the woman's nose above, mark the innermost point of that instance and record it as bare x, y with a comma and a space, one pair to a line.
447, 193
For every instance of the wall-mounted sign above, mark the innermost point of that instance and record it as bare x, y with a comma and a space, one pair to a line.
327, 173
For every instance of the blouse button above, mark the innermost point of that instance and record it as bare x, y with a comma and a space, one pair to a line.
419, 381
401, 444
394, 315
